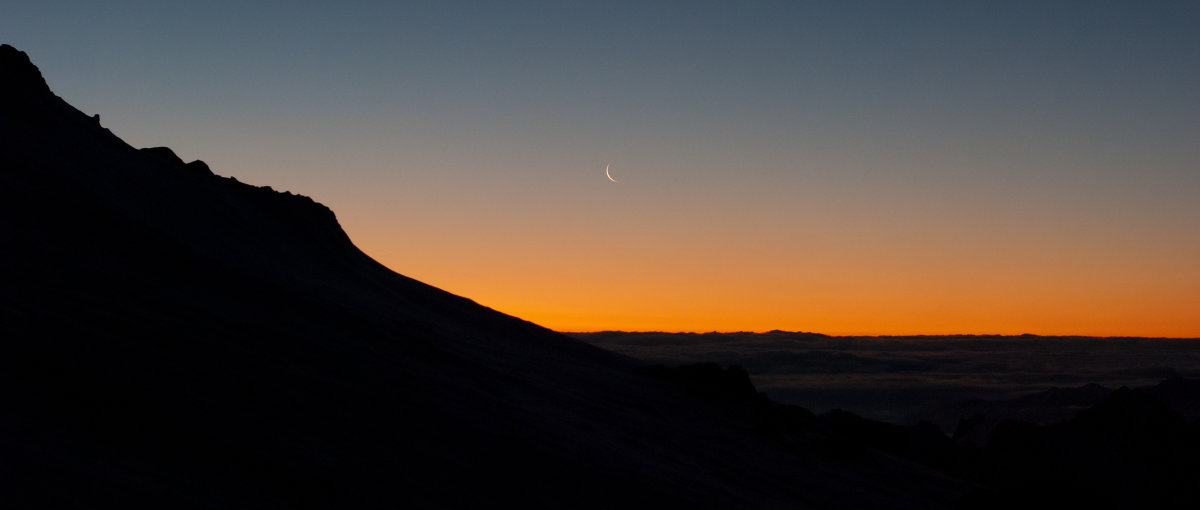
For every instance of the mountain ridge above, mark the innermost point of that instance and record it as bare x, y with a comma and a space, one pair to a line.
173, 338
181, 201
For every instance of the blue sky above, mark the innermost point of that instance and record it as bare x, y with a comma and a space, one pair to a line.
458, 141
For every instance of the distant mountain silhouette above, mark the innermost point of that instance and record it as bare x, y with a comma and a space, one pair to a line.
170, 338
1041, 408
1129, 451
1179, 395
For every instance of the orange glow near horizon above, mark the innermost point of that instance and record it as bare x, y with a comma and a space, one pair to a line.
580, 287
829, 167
944, 245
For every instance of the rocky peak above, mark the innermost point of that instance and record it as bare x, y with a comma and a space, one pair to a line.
20, 80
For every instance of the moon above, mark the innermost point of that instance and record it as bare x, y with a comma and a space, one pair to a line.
606, 174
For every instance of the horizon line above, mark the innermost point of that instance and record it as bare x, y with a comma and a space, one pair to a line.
917, 335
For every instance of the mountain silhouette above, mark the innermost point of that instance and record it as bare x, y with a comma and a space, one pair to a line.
173, 338
1128, 451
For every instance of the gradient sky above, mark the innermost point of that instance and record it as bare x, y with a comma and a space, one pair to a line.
838, 167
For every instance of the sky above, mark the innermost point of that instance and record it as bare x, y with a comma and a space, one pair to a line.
838, 167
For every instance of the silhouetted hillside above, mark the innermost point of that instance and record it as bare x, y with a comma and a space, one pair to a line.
174, 339
1027, 420
1129, 451
170, 338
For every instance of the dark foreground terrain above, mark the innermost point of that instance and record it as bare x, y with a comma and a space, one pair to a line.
1015, 415
170, 338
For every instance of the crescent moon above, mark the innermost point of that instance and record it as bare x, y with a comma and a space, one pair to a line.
606, 174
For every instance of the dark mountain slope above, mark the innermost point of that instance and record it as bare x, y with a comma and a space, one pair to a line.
173, 338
